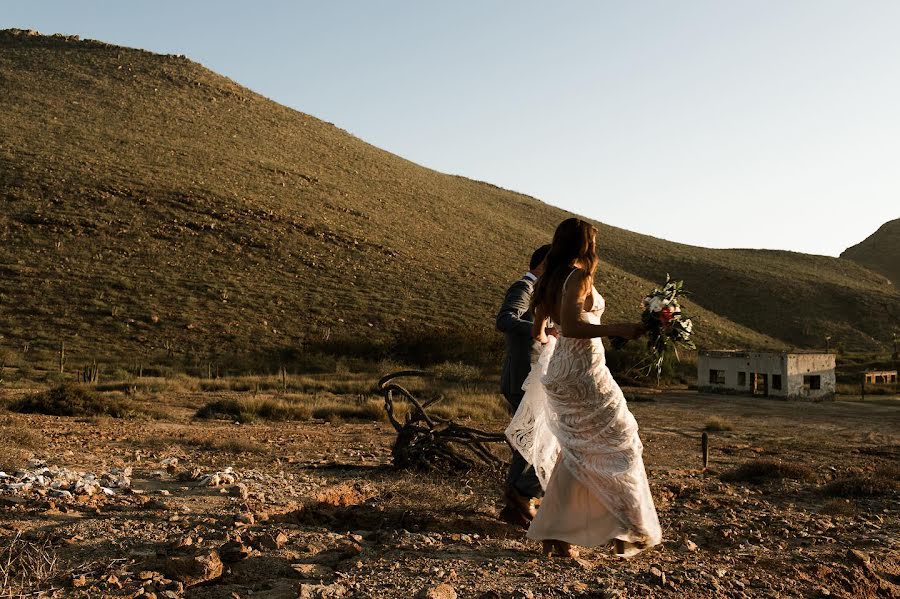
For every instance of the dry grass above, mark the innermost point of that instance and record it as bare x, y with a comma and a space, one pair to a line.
26, 566
759, 471
715, 424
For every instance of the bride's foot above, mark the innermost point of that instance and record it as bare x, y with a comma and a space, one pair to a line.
559, 549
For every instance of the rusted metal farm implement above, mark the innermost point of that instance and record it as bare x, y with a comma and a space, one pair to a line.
428, 441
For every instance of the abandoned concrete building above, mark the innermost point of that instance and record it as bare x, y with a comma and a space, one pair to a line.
881, 377
788, 375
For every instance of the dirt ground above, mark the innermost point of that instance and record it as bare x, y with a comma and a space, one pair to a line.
318, 511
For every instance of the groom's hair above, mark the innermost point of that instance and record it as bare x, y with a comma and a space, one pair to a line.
538, 256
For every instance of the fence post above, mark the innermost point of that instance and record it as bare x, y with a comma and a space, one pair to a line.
704, 449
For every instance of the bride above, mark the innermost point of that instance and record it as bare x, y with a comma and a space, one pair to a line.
573, 424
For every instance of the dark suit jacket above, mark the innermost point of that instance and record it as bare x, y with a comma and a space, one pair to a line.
515, 320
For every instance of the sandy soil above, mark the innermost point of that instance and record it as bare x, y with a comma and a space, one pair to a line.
324, 514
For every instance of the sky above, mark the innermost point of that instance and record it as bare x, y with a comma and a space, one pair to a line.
760, 123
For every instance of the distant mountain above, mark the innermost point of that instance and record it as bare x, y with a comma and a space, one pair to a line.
152, 208
880, 251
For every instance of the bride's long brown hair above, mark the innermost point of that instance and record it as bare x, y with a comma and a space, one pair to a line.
573, 242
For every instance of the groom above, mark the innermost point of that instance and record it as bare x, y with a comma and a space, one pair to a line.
515, 320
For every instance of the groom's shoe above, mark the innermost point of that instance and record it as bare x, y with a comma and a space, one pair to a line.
511, 515
525, 505
519, 509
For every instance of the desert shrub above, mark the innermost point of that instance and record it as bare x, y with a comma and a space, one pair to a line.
716, 424
27, 565
250, 409
71, 400
224, 409
228, 444
759, 471
862, 486
363, 409
839, 507
456, 371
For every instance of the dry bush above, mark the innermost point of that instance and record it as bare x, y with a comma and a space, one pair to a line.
862, 486
363, 409
228, 444
839, 507
716, 424
759, 471
26, 566
71, 400
251, 409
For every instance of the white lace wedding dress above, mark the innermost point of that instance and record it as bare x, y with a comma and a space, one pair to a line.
574, 427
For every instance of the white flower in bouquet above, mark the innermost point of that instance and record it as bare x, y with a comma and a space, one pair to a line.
656, 304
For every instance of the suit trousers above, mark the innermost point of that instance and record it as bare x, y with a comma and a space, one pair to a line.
521, 475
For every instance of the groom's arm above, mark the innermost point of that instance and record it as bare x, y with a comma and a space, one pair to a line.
515, 305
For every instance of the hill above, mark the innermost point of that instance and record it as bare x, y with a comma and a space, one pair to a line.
152, 209
880, 251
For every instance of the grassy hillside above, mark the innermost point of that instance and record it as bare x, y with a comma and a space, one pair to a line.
880, 251
151, 207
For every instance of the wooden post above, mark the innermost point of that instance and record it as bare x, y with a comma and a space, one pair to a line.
862, 388
62, 357
283, 379
704, 449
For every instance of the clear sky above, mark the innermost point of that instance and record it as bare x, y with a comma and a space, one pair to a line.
723, 123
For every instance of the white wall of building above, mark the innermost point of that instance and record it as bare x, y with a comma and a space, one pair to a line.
769, 374
810, 365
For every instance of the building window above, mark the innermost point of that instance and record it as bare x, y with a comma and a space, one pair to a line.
716, 377
776, 381
812, 381
742, 379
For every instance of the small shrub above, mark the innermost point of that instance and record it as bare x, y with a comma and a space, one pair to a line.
456, 371
71, 400
759, 471
861, 486
248, 410
717, 424
224, 409
839, 507
227, 444
27, 565
364, 409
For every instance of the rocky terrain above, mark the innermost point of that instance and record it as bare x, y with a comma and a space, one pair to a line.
799, 500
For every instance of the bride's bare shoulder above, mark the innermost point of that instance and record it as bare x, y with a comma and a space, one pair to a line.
579, 280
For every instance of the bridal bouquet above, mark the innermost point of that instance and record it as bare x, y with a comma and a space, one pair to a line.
667, 328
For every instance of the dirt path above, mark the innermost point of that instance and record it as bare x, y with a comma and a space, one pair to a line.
318, 509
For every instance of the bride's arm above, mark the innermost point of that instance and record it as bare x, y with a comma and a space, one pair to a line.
571, 314
539, 327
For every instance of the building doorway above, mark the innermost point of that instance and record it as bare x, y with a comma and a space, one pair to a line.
760, 384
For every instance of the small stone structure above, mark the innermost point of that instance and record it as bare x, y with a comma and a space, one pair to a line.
789, 375
881, 377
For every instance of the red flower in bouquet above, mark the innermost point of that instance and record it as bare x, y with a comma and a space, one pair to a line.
666, 315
